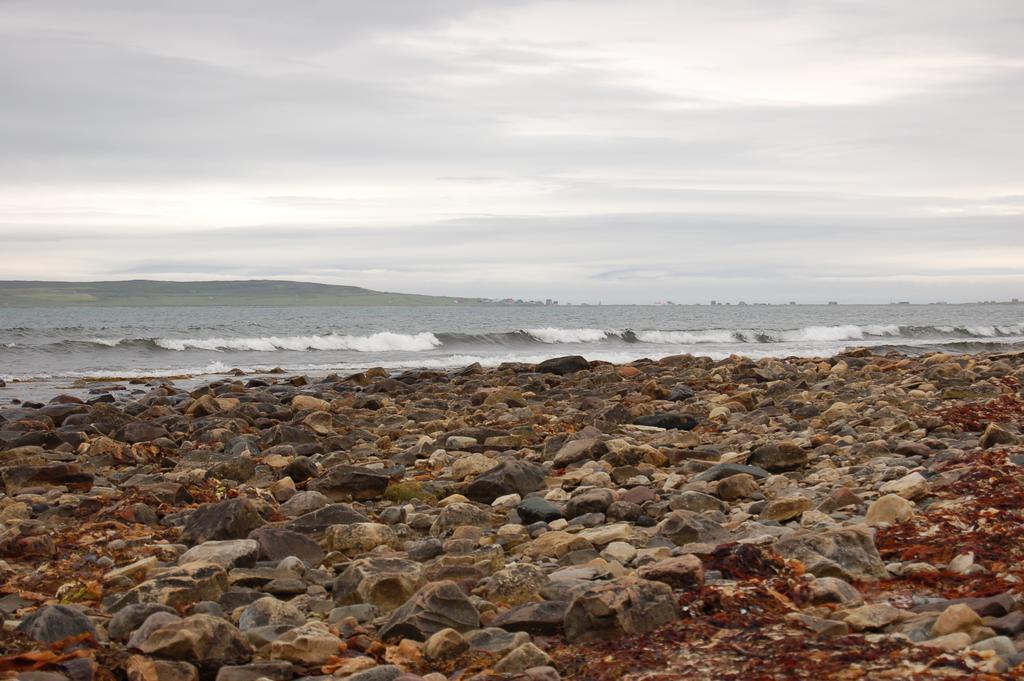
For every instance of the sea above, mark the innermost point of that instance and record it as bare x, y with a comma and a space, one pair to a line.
65, 344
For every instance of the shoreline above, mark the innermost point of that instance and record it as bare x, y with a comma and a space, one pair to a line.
572, 519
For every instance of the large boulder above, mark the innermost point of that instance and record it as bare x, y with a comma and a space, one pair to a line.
437, 606
278, 543
847, 553
622, 607
228, 553
384, 582
687, 527
70, 475
52, 623
510, 476
779, 457
229, 519
563, 365
177, 587
359, 537
207, 641
351, 483
310, 644
459, 514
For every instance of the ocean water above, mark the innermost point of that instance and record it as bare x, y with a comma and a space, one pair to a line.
63, 343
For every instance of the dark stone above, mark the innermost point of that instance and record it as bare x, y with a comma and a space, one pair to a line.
562, 366
535, 509
319, 520
277, 543
141, 431
591, 501
436, 606
510, 476
276, 670
52, 623
351, 483
669, 420
230, 519
544, 618
779, 457
70, 475
724, 470
127, 620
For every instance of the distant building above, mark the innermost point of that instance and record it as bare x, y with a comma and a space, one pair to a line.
792, 302
833, 302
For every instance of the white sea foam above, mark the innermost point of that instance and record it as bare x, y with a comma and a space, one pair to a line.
686, 337
555, 335
384, 341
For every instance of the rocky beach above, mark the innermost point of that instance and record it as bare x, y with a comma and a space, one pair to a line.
856, 516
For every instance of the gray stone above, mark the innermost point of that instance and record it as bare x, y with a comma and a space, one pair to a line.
436, 606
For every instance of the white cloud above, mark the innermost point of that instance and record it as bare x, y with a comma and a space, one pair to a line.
868, 149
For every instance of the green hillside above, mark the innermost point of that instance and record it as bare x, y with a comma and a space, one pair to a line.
146, 293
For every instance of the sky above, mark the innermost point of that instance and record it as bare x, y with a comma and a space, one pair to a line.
850, 150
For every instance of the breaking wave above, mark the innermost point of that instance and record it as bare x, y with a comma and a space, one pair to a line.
595, 339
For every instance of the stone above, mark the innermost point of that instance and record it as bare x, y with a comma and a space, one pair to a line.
623, 606
128, 619
351, 483
535, 509
303, 502
724, 470
584, 449
269, 610
141, 668
590, 501
995, 435
384, 672
668, 420
957, 617
70, 475
310, 403
230, 519
53, 623
912, 486
563, 366
848, 553
521, 659
276, 670
735, 487
309, 644
889, 509
619, 551
436, 606
514, 584
278, 543
510, 476
687, 527
459, 514
833, 590
470, 465
152, 623
359, 537
178, 587
872, 617
384, 582
206, 641
227, 553
680, 572
317, 522
786, 508
446, 644
779, 457
540, 618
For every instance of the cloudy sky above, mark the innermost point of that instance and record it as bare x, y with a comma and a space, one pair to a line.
580, 149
